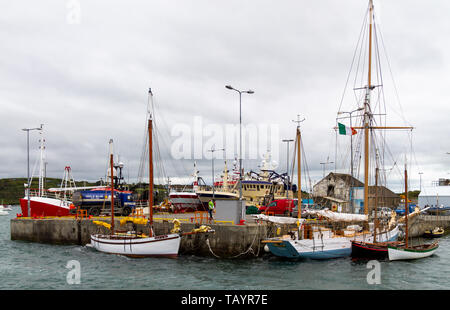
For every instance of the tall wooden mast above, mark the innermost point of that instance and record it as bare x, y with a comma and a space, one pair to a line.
111, 163
299, 174
406, 208
367, 117
375, 220
150, 168
366, 126
299, 167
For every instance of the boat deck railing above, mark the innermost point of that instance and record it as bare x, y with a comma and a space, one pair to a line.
48, 194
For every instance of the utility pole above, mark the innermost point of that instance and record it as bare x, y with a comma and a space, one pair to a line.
212, 150
28, 165
420, 180
287, 167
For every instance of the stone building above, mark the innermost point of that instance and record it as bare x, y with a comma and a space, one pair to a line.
335, 191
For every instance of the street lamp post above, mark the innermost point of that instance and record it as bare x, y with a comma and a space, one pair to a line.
287, 166
28, 165
240, 133
212, 150
420, 180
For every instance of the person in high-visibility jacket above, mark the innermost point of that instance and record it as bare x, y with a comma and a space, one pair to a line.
211, 205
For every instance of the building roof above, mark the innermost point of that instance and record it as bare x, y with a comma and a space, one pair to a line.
382, 191
435, 190
347, 178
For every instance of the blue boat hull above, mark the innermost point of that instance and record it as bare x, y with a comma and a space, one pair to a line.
342, 248
285, 249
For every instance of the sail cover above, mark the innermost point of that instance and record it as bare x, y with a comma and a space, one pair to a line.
278, 219
338, 217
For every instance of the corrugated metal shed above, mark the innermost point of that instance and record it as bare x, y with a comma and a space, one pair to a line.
442, 191
436, 195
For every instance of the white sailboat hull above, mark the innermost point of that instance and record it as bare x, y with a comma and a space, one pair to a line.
400, 253
158, 246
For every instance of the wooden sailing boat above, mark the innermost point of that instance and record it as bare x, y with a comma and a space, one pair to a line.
405, 252
130, 243
315, 241
391, 250
374, 249
327, 243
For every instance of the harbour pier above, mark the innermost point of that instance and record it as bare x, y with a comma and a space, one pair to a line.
226, 241
419, 224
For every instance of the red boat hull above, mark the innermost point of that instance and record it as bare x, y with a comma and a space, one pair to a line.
40, 206
186, 202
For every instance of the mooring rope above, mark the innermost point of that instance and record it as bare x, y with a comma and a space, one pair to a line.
207, 242
250, 249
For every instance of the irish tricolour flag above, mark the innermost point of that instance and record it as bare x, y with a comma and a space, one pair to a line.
344, 130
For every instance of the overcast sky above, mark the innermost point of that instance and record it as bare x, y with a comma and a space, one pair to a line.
82, 68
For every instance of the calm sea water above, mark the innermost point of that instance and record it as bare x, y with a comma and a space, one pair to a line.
26, 265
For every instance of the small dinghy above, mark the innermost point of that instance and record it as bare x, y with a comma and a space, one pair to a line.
437, 232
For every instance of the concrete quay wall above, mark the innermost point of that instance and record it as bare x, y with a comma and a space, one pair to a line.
227, 241
419, 224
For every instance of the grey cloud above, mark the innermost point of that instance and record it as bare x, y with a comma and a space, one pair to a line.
88, 82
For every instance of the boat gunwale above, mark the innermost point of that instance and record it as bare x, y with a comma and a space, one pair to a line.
420, 248
155, 239
379, 246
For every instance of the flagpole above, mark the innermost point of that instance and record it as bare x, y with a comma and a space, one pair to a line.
351, 155
351, 165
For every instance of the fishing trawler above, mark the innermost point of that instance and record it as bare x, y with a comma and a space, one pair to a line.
39, 201
258, 188
224, 189
185, 201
